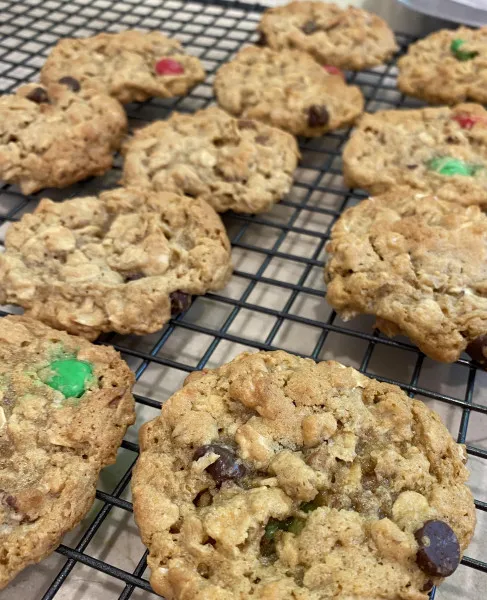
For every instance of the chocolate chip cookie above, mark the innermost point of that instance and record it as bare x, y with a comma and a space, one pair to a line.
130, 65
54, 136
446, 67
287, 89
64, 408
121, 262
433, 150
350, 38
420, 265
276, 477
241, 165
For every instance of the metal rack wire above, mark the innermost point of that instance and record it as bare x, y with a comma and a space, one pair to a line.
279, 256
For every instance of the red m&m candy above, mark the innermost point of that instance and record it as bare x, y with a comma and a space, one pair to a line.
467, 121
169, 66
334, 70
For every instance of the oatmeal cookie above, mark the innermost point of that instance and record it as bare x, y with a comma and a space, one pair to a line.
64, 408
446, 67
54, 136
420, 265
130, 65
433, 150
350, 38
276, 477
287, 89
241, 165
121, 262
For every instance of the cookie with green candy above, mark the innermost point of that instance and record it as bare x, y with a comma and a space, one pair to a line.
441, 151
65, 405
446, 67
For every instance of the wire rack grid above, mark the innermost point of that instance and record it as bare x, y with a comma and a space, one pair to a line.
275, 299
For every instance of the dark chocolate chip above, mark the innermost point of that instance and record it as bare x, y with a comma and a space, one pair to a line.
225, 467
180, 302
262, 140
38, 95
262, 39
412, 167
478, 350
439, 550
72, 83
318, 115
309, 27
133, 276
427, 586
246, 124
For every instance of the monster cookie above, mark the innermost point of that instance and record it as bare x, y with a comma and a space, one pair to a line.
276, 477
130, 66
350, 38
446, 67
420, 265
64, 408
433, 150
119, 262
288, 89
232, 164
55, 136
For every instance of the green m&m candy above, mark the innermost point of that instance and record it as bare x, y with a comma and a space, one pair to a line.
70, 376
458, 53
444, 165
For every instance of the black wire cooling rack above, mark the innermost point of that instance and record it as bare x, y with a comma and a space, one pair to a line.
275, 299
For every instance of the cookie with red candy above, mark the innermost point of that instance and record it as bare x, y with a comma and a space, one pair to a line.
130, 65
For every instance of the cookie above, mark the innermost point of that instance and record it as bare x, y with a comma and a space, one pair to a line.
433, 150
419, 264
64, 408
287, 89
121, 262
54, 136
130, 65
349, 38
233, 164
446, 67
276, 477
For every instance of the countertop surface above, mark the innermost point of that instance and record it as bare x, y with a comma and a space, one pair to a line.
116, 541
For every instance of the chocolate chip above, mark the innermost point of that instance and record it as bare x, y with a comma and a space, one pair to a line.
180, 302
262, 140
72, 83
262, 39
427, 586
478, 350
226, 467
38, 95
318, 115
309, 27
412, 167
246, 124
439, 550
133, 276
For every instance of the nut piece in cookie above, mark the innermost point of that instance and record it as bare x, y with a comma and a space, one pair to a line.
237, 164
287, 89
56, 135
446, 67
122, 262
442, 151
419, 264
277, 477
64, 408
349, 38
130, 65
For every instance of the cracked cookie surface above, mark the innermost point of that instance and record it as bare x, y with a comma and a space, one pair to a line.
446, 67
276, 477
287, 89
241, 165
64, 408
54, 136
419, 265
113, 263
349, 38
432, 150
130, 65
